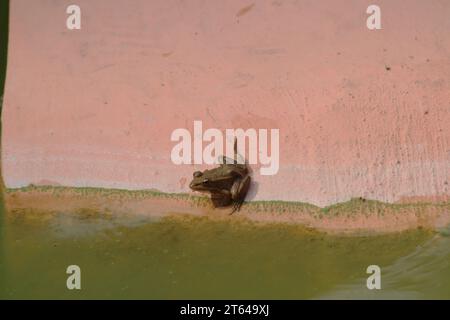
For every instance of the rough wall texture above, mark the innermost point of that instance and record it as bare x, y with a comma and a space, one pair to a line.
360, 113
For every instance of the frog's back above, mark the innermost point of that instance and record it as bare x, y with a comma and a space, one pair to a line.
232, 169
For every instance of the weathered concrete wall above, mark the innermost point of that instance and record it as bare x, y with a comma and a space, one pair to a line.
96, 107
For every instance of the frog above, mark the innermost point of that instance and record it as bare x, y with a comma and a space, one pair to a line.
227, 184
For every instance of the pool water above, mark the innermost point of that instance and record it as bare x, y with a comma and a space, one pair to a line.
185, 257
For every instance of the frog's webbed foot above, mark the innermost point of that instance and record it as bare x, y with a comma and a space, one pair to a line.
238, 160
236, 206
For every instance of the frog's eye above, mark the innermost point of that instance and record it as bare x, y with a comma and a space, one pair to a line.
197, 174
205, 180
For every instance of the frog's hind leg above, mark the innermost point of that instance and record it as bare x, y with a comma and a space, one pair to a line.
237, 160
239, 191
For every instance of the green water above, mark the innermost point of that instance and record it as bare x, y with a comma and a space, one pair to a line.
185, 257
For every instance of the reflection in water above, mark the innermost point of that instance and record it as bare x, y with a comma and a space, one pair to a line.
130, 256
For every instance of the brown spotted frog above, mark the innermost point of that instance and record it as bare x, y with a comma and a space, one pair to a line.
228, 184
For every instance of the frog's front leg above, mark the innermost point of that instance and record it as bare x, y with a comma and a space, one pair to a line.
239, 191
221, 198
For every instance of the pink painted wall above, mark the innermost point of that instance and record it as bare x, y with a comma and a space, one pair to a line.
96, 107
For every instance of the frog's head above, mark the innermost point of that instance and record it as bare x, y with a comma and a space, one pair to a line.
202, 181
214, 179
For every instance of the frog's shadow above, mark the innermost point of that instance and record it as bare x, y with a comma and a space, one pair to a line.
252, 191
254, 186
